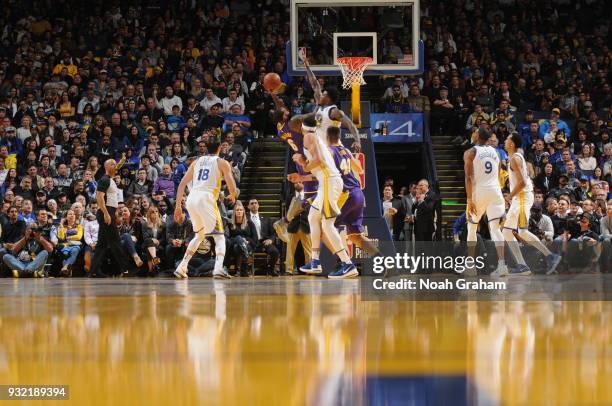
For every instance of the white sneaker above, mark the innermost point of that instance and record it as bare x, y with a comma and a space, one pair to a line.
181, 271
221, 274
502, 270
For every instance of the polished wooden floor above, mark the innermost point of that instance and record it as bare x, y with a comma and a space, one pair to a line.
297, 342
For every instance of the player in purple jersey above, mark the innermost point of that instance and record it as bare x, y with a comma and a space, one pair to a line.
352, 199
290, 131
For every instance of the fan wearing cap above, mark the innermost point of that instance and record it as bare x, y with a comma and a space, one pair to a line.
561, 125
10, 140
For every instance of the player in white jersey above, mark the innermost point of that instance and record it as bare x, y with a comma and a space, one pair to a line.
481, 164
521, 199
324, 209
205, 175
327, 113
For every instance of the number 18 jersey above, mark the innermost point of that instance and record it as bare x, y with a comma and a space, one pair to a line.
486, 167
206, 175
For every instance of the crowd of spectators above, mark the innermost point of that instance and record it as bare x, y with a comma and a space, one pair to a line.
81, 83
541, 69
145, 85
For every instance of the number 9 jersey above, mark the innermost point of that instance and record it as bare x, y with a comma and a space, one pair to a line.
206, 175
486, 167
486, 192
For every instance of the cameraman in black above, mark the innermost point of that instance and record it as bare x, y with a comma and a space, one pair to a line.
541, 225
29, 255
580, 244
241, 236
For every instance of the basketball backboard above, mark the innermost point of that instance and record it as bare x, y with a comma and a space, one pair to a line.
387, 31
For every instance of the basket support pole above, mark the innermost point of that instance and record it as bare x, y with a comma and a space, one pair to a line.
356, 103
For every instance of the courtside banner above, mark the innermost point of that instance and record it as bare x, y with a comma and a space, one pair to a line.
390, 127
443, 271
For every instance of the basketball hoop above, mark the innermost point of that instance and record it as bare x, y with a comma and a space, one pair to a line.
352, 70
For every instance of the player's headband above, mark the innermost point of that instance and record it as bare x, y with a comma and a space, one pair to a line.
309, 129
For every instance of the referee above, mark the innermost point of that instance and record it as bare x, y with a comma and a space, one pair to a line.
108, 235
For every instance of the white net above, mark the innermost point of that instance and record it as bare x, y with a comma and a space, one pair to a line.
352, 70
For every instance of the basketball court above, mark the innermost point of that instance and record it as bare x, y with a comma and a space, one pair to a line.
296, 341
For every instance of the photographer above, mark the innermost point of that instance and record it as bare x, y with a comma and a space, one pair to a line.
241, 236
28, 256
579, 244
541, 225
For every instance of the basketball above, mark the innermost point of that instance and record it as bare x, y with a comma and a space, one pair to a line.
272, 82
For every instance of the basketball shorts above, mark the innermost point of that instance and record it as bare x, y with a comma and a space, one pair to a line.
518, 213
489, 201
328, 193
204, 212
351, 204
